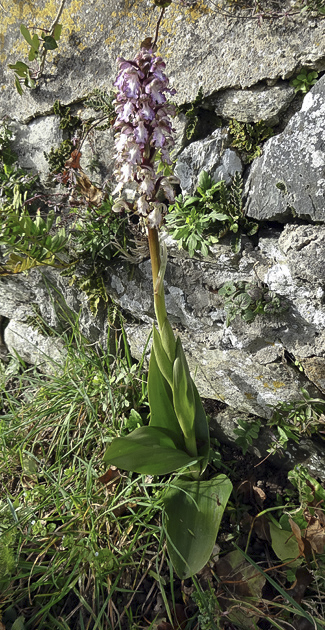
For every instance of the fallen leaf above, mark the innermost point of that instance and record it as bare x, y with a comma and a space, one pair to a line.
315, 534
297, 534
111, 474
92, 194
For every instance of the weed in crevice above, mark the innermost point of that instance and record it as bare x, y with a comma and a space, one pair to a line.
305, 80
248, 300
216, 210
292, 420
247, 432
248, 137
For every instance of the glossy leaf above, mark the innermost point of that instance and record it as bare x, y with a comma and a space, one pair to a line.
193, 512
161, 400
183, 393
164, 364
49, 42
148, 450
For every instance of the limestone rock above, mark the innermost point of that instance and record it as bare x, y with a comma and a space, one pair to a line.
32, 140
289, 177
201, 46
254, 104
47, 353
210, 155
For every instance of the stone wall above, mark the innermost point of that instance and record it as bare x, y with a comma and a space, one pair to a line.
244, 70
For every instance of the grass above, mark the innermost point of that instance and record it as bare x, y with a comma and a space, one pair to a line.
77, 541
82, 548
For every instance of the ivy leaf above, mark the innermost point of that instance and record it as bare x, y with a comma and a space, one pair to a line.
49, 42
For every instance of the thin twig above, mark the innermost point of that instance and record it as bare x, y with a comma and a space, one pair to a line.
157, 27
54, 23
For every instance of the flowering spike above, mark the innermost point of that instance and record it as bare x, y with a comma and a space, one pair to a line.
143, 128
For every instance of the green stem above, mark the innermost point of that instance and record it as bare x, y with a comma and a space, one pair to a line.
158, 281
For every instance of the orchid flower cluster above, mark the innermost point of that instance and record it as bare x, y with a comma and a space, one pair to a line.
144, 133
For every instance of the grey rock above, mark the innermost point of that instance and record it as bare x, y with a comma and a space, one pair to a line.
210, 155
254, 104
47, 353
35, 138
201, 47
289, 177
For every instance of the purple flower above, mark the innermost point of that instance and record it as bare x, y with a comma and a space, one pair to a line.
144, 130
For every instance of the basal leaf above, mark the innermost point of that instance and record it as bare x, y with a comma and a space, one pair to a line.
164, 364
193, 512
148, 450
183, 393
161, 400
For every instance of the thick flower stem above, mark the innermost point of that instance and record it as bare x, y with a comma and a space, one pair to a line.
164, 326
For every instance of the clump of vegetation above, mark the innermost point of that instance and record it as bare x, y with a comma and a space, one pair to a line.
39, 47
248, 300
304, 80
247, 138
295, 419
215, 210
57, 158
247, 432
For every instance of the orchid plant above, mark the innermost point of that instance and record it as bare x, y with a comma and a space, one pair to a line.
177, 437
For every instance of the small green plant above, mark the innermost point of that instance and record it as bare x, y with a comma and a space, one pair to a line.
100, 232
215, 210
101, 102
57, 158
27, 242
39, 47
191, 111
304, 80
247, 432
247, 137
298, 418
249, 300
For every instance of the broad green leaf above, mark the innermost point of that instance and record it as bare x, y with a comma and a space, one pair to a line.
49, 42
161, 400
19, 623
284, 544
168, 340
164, 364
193, 512
20, 68
148, 450
26, 34
183, 393
57, 32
